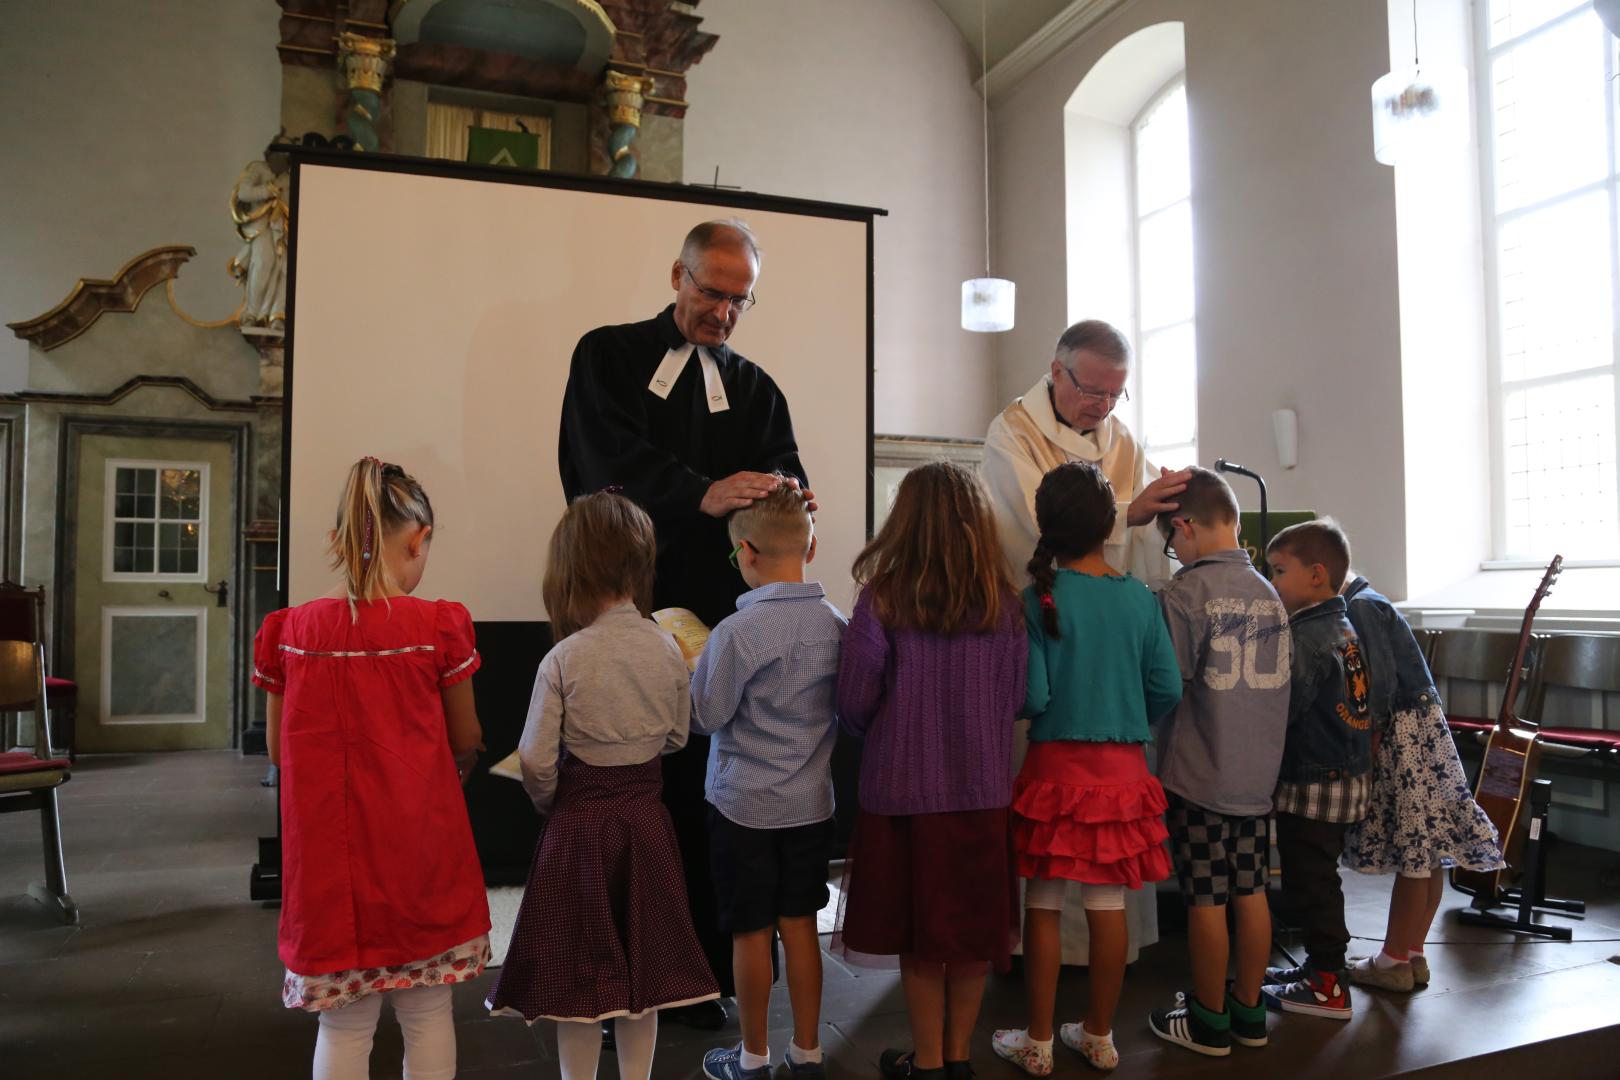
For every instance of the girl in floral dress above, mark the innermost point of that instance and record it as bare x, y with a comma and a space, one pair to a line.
371, 720
1423, 817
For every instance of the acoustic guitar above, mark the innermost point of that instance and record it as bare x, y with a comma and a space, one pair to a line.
1512, 757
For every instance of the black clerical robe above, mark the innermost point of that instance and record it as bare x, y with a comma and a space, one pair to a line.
665, 452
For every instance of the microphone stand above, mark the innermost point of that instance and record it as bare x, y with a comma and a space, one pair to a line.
1222, 465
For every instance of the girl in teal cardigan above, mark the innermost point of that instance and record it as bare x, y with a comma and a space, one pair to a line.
1085, 807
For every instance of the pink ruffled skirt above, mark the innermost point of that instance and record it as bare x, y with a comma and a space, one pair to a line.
1090, 812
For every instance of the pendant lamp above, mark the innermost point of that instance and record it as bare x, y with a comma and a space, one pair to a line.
1419, 110
987, 302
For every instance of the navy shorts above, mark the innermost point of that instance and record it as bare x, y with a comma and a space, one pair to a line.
761, 875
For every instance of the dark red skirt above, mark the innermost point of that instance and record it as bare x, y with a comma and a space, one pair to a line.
937, 888
604, 929
1090, 812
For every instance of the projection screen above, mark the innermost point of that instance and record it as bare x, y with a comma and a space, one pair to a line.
434, 310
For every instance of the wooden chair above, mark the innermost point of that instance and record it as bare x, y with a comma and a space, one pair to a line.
22, 618
1577, 662
1482, 656
1426, 638
29, 778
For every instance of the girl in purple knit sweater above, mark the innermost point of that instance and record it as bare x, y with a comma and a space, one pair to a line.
932, 674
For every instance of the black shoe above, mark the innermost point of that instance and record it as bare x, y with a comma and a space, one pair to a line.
897, 1065
1183, 1026
703, 1016
959, 1070
609, 1042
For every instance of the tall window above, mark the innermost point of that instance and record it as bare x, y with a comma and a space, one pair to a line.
1547, 121
1167, 363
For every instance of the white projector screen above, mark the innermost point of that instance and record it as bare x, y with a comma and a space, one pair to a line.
433, 314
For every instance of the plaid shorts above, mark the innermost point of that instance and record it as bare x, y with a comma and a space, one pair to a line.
1216, 855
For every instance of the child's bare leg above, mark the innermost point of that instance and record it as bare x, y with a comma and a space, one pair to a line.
1253, 917
964, 990
1431, 906
1043, 955
1409, 914
924, 984
751, 968
1210, 948
803, 949
1108, 949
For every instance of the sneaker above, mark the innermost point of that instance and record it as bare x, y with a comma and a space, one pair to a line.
1420, 971
1182, 1026
1012, 1044
1248, 1021
811, 1070
1364, 971
899, 1065
725, 1063
1318, 993
1282, 976
1099, 1051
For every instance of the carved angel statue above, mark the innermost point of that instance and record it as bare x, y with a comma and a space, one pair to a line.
259, 209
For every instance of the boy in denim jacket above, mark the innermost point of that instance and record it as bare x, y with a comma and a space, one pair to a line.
1326, 779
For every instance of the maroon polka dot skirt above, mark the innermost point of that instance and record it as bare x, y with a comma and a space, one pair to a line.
604, 929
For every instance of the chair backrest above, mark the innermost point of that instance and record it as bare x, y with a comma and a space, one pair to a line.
1577, 662
22, 612
1426, 638
22, 686
1482, 657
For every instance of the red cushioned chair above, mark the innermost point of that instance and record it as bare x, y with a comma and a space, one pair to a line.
29, 778
1578, 662
22, 618
1482, 656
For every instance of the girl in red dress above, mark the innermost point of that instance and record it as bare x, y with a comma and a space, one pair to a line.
371, 720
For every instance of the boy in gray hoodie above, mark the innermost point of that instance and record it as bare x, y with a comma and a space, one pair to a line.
1218, 757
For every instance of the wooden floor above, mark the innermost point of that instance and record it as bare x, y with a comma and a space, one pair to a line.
173, 971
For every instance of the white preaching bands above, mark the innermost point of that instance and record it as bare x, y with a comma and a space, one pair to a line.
663, 380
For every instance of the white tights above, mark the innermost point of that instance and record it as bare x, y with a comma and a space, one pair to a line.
579, 1046
343, 1046
1046, 894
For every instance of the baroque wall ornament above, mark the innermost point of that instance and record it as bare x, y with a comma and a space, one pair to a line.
624, 95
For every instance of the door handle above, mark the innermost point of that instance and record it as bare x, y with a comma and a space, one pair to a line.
222, 590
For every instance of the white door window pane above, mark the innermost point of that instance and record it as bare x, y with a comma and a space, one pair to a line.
1549, 115
155, 519
1510, 18
1163, 166
1165, 255
1559, 491
1169, 386
1555, 288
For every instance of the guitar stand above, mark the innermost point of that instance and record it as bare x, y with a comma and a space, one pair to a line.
1533, 893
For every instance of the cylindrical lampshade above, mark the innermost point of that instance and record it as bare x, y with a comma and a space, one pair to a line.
1418, 112
987, 304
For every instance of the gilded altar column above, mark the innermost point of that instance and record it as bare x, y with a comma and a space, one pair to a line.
623, 95
365, 63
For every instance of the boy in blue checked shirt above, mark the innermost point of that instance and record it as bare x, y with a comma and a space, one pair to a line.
763, 690
1325, 783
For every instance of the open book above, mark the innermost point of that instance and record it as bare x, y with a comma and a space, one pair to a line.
689, 632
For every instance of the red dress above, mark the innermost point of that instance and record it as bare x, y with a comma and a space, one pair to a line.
378, 864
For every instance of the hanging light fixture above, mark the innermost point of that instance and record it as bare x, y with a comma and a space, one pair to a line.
987, 302
1420, 110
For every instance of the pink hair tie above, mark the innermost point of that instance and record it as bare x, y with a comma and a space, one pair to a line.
365, 551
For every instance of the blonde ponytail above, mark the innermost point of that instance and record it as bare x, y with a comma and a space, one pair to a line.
378, 499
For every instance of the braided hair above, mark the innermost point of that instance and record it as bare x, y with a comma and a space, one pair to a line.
1075, 512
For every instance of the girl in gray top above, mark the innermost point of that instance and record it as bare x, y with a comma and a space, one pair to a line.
606, 894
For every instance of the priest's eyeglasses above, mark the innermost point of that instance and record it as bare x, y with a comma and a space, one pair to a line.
1102, 397
716, 297
736, 551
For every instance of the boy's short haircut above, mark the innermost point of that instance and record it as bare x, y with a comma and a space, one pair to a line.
1208, 501
1320, 541
778, 524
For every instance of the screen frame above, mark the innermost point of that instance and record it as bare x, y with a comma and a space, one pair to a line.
298, 156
